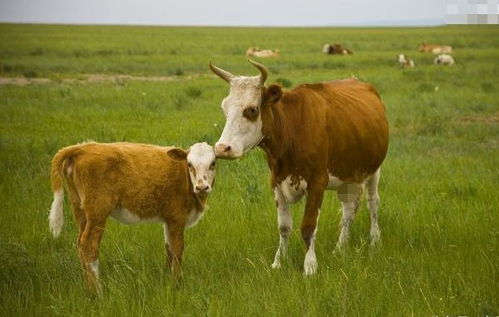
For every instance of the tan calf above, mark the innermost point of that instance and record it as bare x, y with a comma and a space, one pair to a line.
435, 49
132, 183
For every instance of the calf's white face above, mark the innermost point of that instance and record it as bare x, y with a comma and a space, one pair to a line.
201, 164
243, 124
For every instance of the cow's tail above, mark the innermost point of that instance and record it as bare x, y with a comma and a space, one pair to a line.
59, 170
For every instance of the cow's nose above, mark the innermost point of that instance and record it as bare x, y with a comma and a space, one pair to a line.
222, 149
202, 188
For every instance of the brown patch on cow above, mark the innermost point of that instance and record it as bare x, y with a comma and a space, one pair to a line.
491, 119
251, 113
338, 126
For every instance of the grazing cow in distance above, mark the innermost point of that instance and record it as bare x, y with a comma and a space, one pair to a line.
335, 49
435, 49
328, 135
404, 61
132, 183
255, 51
444, 59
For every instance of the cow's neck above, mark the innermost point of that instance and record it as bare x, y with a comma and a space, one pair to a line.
277, 133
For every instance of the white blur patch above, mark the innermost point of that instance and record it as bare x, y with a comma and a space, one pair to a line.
194, 217
125, 216
334, 182
56, 215
444, 59
94, 267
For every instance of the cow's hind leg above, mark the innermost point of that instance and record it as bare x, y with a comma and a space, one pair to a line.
349, 195
96, 213
285, 224
372, 205
89, 252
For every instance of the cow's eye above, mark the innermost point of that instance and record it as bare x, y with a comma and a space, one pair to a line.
251, 113
189, 164
212, 165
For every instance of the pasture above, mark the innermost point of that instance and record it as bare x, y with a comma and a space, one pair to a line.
439, 185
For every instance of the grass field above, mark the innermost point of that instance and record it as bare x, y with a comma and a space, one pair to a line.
439, 187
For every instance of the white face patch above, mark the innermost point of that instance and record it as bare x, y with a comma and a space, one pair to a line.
201, 163
243, 126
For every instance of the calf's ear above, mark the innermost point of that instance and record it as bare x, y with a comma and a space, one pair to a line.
272, 94
177, 154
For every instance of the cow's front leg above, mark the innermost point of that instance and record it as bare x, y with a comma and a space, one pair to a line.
285, 225
309, 225
176, 248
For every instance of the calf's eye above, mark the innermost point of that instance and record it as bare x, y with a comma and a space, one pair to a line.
251, 113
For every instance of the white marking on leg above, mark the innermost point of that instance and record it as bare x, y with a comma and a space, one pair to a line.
373, 205
94, 267
56, 215
285, 224
310, 263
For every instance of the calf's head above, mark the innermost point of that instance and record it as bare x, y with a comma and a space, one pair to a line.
200, 159
242, 109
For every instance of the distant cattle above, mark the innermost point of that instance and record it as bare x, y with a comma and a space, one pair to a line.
404, 61
435, 49
328, 135
255, 51
131, 183
444, 59
335, 49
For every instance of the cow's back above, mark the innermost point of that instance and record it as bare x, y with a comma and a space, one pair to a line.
354, 125
136, 173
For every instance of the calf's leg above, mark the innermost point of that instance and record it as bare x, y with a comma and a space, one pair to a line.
88, 247
176, 248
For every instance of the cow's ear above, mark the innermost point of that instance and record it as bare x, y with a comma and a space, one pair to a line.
272, 94
177, 154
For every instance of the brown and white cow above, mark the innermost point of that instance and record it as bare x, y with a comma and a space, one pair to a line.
444, 59
132, 183
405, 61
335, 49
255, 51
435, 49
329, 135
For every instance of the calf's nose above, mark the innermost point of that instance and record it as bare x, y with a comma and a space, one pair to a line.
202, 187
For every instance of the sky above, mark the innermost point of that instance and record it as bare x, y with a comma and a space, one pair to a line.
226, 12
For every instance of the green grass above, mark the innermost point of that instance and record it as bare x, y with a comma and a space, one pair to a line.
439, 221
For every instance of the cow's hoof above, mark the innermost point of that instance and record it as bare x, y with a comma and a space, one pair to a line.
310, 266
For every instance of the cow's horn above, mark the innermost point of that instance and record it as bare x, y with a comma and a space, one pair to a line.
225, 75
262, 69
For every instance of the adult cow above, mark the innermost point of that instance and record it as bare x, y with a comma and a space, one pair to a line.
330, 135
